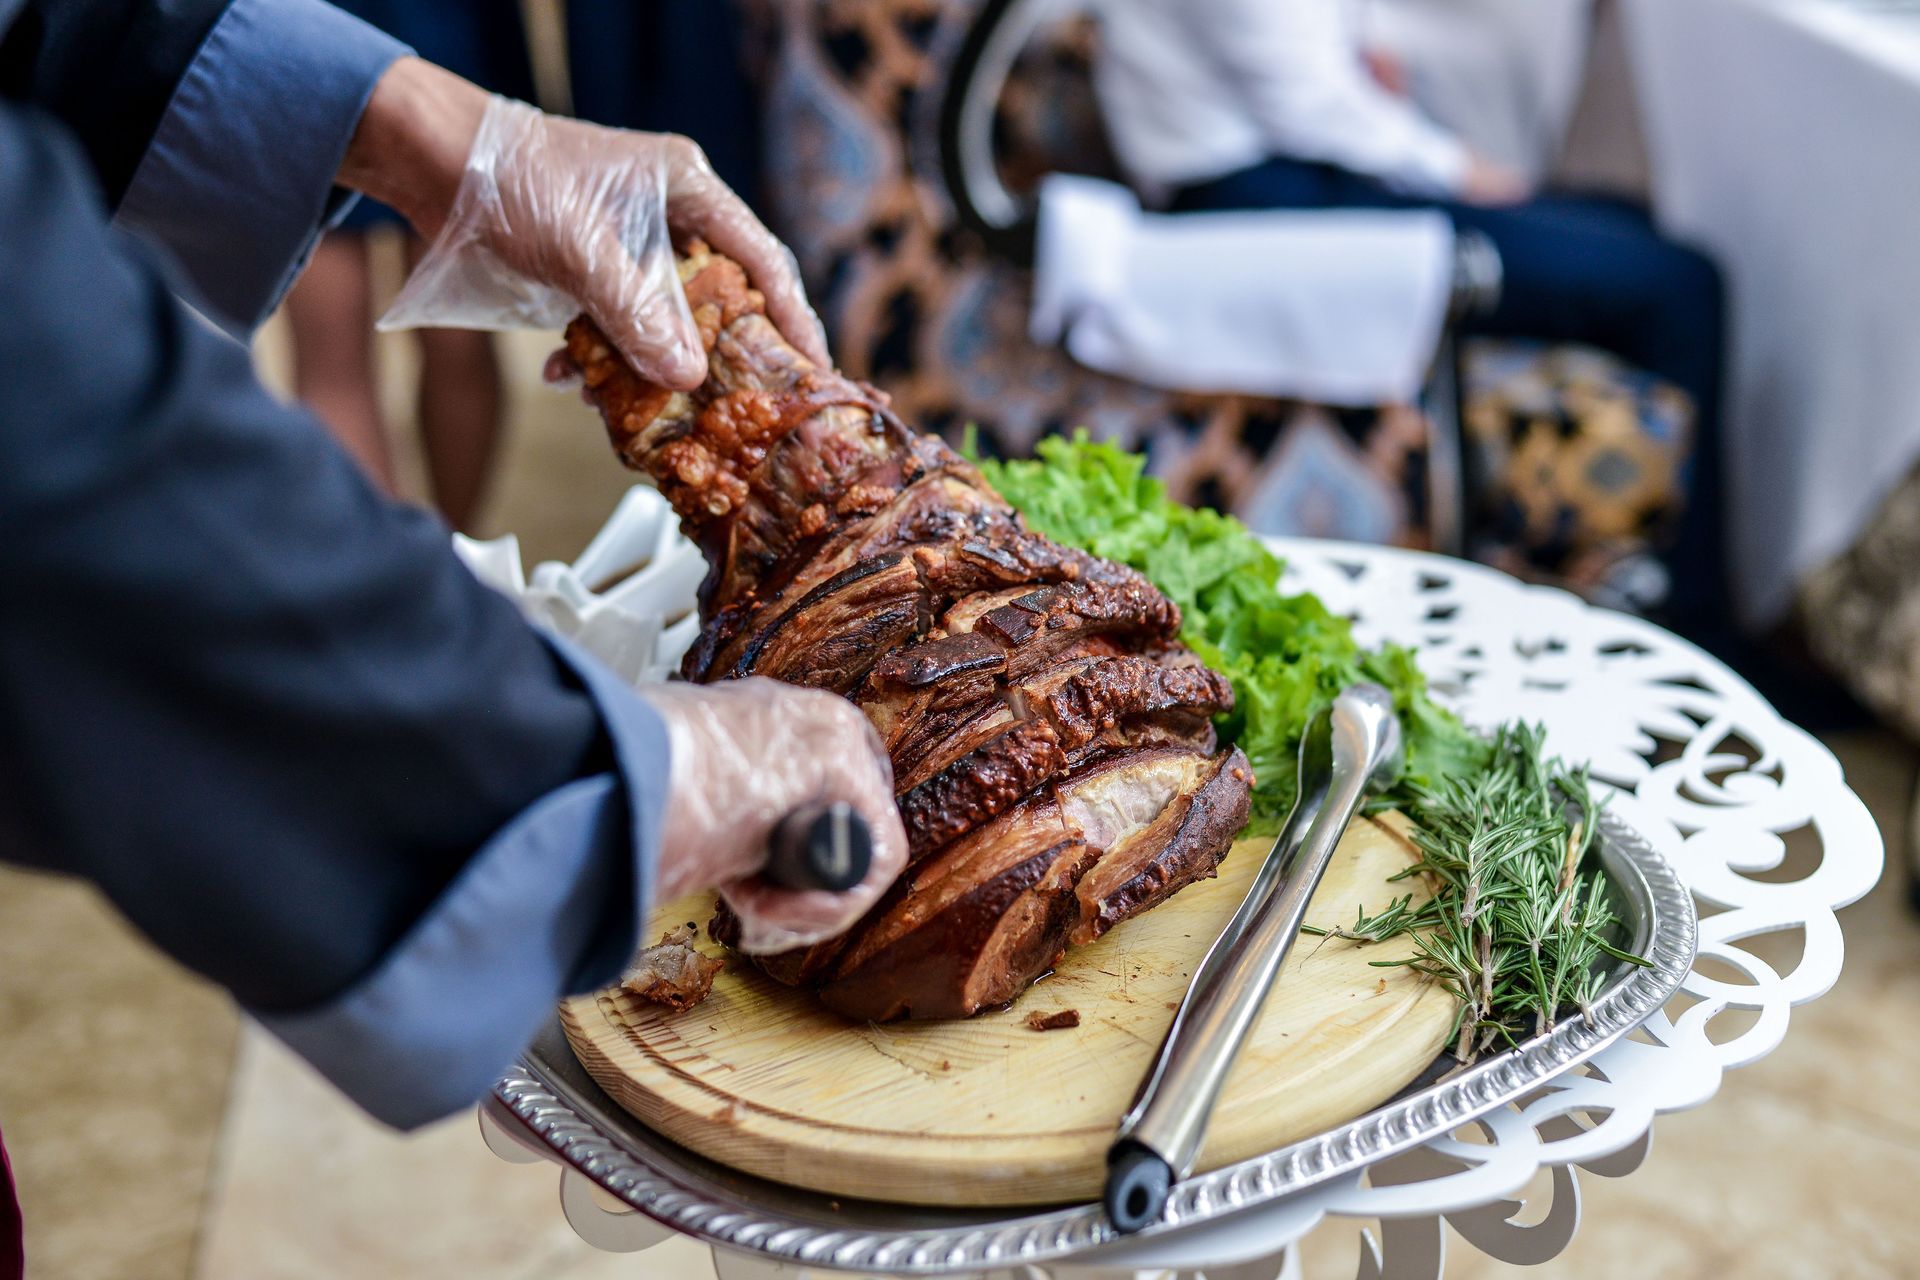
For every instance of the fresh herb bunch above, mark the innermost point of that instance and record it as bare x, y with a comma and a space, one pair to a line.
1286, 655
1518, 924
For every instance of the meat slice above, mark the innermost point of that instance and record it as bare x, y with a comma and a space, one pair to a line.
935, 507
834, 634
1093, 680
881, 603
923, 495
1104, 703
974, 925
1030, 626
1103, 694
969, 929
780, 548
980, 784
938, 738
1037, 626
1162, 820
918, 696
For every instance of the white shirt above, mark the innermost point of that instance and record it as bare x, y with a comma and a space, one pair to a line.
1195, 89
1504, 76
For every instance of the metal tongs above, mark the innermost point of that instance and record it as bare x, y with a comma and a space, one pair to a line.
1349, 748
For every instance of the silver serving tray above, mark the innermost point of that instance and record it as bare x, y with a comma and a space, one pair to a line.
560, 1103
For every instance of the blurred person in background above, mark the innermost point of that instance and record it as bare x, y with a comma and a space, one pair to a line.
1504, 76
1276, 104
331, 309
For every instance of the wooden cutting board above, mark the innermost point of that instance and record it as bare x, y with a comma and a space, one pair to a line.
990, 1112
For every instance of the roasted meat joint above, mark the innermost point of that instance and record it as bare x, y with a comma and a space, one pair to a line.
1052, 742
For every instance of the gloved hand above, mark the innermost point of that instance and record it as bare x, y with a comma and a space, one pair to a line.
745, 754
555, 216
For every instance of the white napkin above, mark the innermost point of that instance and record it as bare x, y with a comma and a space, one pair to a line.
1342, 308
629, 600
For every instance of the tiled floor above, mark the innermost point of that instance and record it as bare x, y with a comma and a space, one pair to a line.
113, 1074
149, 1148
310, 1190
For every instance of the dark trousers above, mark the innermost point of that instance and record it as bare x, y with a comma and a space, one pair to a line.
1581, 269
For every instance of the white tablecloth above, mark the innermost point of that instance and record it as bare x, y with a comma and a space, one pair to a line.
1785, 139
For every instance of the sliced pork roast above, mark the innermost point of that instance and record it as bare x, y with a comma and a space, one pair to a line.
1052, 742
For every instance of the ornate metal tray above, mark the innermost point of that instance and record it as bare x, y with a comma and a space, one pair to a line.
557, 1101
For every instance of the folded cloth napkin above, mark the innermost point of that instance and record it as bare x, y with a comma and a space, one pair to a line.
1341, 307
629, 600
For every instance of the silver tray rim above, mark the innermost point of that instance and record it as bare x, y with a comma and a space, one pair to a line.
556, 1101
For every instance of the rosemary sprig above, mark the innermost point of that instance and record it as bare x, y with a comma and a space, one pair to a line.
1518, 925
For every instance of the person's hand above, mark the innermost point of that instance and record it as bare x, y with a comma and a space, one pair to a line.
1488, 182
745, 754
1388, 70
541, 217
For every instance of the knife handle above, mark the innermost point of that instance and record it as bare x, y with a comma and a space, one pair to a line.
822, 846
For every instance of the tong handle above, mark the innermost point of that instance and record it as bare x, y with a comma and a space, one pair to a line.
1160, 1138
823, 846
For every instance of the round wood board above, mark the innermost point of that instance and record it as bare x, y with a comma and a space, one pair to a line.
989, 1112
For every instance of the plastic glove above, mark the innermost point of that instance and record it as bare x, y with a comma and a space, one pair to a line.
555, 216
747, 753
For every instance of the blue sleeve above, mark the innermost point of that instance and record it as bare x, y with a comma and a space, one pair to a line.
238, 180
267, 711
104, 68
431, 1029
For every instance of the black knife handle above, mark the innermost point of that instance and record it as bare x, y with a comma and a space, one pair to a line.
825, 846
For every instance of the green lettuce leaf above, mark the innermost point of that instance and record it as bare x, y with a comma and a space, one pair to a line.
1286, 655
